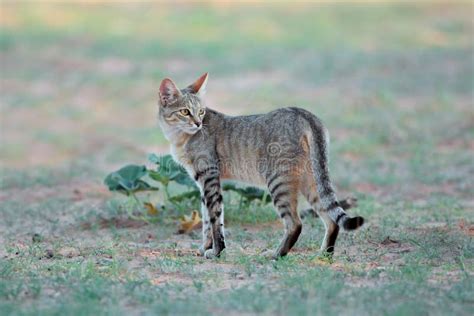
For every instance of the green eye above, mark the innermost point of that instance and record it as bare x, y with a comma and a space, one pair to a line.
201, 112
184, 112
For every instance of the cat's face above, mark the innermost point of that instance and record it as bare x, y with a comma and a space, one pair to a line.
182, 110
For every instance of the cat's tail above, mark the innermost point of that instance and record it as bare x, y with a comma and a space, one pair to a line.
319, 143
347, 203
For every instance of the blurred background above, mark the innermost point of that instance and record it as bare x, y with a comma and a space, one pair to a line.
393, 82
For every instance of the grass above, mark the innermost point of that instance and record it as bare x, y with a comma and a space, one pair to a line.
393, 83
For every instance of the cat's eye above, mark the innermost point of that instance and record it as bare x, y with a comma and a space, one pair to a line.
201, 112
184, 112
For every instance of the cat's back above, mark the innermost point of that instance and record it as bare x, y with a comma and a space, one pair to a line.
283, 122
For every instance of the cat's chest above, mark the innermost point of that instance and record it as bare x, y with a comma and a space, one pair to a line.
179, 155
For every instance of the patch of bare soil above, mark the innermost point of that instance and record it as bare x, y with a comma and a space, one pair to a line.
429, 227
166, 278
366, 187
75, 191
445, 278
115, 222
466, 228
277, 224
451, 145
176, 252
230, 275
392, 250
425, 190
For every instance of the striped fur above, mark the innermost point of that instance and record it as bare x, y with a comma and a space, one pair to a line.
346, 204
285, 151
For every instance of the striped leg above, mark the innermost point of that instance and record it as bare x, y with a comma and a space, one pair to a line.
213, 211
206, 229
309, 191
330, 236
284, 194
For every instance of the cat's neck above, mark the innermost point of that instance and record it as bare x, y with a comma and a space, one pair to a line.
178, 140
175, 136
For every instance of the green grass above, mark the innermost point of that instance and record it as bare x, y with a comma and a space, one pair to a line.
393, 83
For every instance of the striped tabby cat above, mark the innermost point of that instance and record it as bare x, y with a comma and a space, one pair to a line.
285, 150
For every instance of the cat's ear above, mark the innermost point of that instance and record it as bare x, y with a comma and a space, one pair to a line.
199, 86
169, 92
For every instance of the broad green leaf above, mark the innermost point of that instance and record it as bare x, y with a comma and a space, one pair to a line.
154, 158
168, 170
128, 180
155, 175
249, 193
195, 194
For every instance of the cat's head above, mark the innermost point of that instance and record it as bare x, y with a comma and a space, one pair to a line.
182, 110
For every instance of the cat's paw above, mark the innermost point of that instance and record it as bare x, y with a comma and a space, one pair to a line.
270, 254
205, 246
209, 254
212, 253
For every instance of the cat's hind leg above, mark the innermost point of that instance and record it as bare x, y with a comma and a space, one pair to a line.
284, 193
309, 191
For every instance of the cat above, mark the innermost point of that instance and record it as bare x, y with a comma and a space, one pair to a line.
285, 150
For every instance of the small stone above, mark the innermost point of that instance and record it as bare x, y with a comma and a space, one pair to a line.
49, 253
37, 238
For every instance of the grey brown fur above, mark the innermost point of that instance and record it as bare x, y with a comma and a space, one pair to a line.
285, 151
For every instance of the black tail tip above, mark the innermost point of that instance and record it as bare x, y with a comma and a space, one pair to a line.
353, 223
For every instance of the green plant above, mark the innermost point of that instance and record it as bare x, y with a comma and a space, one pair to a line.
132, 179
248, 194
169, 171
128, 180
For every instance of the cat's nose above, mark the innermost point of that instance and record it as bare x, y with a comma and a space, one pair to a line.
198, 124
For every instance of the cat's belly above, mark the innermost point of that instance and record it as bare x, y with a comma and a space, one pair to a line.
247, 173
241, 171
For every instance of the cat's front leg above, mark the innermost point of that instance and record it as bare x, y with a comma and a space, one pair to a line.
209, 181
206, 229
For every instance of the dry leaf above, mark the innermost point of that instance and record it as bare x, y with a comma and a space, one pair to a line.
468, 229
189, 222
160, 280
151, 209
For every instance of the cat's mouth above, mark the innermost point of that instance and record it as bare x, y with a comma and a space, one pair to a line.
192, 129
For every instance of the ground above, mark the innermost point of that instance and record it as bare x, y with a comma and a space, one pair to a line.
393, 83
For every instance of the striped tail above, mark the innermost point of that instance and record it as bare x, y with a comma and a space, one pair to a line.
319, 143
